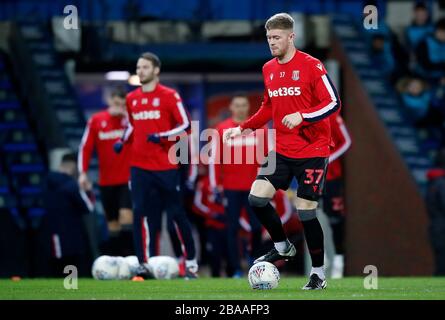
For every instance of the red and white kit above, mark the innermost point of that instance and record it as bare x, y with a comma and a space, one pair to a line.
101, 132
300, 85
342, 142
155, 112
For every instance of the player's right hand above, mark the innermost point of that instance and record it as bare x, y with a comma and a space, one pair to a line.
118, 146
84, 182
155, 138
292, 120
231, 133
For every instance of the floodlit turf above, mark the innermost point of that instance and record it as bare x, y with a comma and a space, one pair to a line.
213, 289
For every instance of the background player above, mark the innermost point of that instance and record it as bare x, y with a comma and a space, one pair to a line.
204, 205
103, 130
333, 199
156, 113
299, 97
236, 180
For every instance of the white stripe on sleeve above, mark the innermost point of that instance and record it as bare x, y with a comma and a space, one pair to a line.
327, 108
128, 132
197, 201
87, 200
344, 147
81, 146
56, 245
185, 122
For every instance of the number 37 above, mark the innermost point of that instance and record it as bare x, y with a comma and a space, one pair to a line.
310, 176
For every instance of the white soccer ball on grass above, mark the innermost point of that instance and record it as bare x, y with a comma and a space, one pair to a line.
163, 267
105, 268
264, 276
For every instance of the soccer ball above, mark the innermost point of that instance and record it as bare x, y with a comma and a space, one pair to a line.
163, 267
105, 268
127, 269
264, 276
124, 272
133, 264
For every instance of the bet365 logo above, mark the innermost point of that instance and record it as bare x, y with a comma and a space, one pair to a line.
283, 91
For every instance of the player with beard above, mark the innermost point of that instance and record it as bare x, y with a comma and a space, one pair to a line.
156, 113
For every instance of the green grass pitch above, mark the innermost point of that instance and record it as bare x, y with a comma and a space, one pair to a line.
215, 289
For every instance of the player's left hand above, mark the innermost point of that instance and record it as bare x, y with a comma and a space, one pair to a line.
292, 120
155, 138
118, 146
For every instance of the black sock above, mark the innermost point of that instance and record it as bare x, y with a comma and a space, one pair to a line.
126, 241
256, 242
271, 221
112, 246
314, 239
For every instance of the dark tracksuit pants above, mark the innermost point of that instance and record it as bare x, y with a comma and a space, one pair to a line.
174, 237
218, 249
153, 191
236, 200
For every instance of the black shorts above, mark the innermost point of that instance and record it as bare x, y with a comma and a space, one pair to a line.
333, 199
309, 172
115, 198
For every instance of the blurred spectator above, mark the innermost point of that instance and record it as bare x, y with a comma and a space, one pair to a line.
438, 97
415, 96
63, 234
420, 27
437, 114
431, 52
435, 200
382, 54
388, 55
204, 205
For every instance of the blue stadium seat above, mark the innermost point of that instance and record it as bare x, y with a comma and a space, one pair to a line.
28, 182
14, 147
11, 115
7, 198
16, 136
5, 84
22, 158
9, 104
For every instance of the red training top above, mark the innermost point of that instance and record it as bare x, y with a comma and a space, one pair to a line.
157, 112
342, 142
100, 134
300, 85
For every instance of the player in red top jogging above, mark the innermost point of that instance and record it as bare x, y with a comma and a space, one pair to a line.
103, 129
156, 113
299, 97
